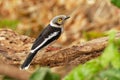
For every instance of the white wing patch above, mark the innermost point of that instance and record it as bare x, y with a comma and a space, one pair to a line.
46, 39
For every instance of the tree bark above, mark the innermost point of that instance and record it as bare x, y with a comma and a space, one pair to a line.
15, 48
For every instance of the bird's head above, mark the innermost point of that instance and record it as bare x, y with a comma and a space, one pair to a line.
59, 20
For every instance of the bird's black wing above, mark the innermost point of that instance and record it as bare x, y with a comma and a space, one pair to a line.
48, 31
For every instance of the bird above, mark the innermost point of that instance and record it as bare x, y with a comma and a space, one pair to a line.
48, 35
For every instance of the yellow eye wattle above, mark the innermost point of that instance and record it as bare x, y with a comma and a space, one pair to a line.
59, 20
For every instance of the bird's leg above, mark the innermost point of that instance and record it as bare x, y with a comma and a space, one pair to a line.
52, 48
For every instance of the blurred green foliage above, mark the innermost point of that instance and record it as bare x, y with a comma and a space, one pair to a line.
44, 74
105, 67
116, 2
102, 68
5, 23
109, 74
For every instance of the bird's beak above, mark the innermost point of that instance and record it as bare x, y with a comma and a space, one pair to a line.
67, 17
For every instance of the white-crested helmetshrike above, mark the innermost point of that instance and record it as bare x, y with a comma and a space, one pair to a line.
48, 35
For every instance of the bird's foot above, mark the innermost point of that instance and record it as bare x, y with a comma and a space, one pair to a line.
52, 48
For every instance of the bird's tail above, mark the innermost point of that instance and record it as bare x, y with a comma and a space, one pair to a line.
28, 60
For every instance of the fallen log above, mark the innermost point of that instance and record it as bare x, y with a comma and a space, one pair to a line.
14, 48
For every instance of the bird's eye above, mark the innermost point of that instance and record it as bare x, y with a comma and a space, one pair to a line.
59, 20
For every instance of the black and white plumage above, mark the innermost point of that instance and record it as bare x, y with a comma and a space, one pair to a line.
51, 33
